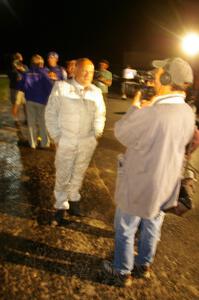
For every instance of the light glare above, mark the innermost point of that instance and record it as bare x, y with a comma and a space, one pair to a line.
190, 44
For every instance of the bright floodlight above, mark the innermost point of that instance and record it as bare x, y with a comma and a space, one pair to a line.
190, 44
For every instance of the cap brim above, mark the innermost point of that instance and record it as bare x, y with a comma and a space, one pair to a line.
159, 63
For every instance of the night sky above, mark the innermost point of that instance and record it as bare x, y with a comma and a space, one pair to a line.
97, 29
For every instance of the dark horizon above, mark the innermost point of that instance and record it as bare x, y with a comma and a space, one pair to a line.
106, 29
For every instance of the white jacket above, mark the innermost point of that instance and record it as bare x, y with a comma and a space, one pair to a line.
73, 113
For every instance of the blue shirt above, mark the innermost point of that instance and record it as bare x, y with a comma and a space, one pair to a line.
57, 70
36, 85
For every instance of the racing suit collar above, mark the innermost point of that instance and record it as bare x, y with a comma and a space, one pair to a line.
79, 86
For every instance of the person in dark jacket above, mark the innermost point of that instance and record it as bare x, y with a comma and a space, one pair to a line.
15, 73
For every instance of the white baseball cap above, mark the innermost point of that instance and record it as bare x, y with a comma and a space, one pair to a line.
179, 70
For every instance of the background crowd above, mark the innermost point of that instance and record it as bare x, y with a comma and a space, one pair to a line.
31, 86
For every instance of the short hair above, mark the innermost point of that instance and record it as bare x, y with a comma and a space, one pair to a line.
17, 55
104, 61
79, 61
53, 54
37, 60
70, 60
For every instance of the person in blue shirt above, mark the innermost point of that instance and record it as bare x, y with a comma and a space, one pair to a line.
54, 71
36, 87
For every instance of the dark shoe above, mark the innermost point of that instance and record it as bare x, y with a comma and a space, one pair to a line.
59, 217
24, 123
142, 271
23, 143
118, 279
74, 209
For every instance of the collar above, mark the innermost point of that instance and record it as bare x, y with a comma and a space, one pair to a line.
170, 99
77, 85
80, 87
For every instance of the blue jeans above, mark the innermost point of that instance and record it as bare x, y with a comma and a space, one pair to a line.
126, 226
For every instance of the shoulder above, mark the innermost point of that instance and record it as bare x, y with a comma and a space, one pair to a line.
95, 89
63, 88
63, 85
189, 108
57, 69
108, 72
46, 69
26, 69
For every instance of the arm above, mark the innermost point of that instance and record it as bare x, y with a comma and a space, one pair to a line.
52, 113
194, 144
19, 66
100, 115
133, 125
64, 74
105, 81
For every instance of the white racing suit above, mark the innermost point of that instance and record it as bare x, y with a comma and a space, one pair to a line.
74, 119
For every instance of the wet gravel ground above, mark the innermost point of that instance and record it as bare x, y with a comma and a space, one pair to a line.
38, 260
41, 261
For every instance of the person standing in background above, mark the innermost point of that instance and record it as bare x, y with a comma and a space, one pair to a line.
15, 73
103, 78
35, 85
70, 68
55, 72
128, 74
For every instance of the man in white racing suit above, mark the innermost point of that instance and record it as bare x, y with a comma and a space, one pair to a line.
75, 119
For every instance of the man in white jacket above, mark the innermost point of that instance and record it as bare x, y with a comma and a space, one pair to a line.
75, 119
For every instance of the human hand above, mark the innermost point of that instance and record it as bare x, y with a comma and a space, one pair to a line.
137, 99
52, 75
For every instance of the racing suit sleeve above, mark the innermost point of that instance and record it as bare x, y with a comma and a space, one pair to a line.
100, 115
52, 113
